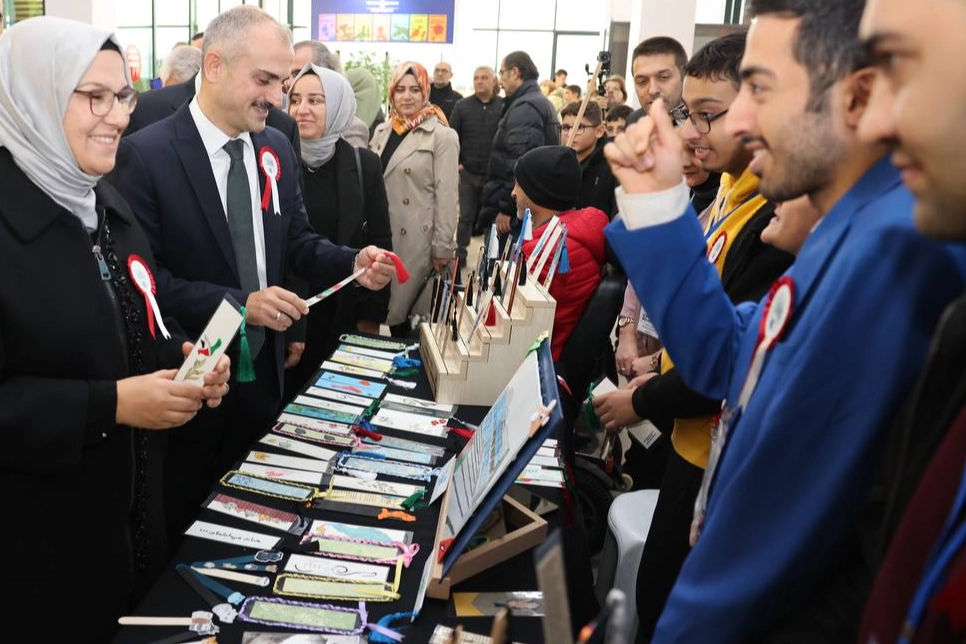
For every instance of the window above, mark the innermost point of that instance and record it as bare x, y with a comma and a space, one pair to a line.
155, 26
556, 33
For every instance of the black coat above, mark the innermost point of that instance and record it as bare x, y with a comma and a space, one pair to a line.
67, 471
161, 103
444, 98
750, 268
529, 121
476, 123
597, 182
359, 216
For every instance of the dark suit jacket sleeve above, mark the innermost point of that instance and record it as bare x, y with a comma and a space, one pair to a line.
190, 302
374, 305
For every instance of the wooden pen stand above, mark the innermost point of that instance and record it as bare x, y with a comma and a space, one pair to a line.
474, 368
519, 531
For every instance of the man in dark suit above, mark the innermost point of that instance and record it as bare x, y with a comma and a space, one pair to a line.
161, 103
218, 196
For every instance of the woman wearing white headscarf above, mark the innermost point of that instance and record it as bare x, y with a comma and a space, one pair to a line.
346, 201
78, 358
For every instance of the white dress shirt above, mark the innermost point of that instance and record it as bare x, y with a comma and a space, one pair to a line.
214, 140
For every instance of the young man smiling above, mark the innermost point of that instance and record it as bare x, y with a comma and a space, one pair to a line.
747, 268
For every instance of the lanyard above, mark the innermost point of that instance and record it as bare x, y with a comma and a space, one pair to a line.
715, 225
777, 314
951, 540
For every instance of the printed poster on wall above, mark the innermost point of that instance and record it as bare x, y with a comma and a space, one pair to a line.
429, 21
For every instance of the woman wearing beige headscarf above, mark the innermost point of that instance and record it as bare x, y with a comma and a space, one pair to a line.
420, 158
78, 354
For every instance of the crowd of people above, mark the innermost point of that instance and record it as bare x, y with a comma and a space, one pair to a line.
786, 205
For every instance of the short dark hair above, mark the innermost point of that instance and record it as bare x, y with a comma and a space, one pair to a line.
662, 46
827, 40
522, 61
618, 112
591, 112
198, 35
561, 71
719, 60
575, 89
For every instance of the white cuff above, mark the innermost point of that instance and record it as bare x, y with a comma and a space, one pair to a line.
652, 208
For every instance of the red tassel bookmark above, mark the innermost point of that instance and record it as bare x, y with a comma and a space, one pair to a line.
401, 273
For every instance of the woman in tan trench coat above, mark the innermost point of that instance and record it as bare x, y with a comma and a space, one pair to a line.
420, 157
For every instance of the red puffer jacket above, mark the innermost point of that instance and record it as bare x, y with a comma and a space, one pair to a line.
572, 290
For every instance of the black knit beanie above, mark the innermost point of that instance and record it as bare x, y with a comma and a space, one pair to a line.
550, 176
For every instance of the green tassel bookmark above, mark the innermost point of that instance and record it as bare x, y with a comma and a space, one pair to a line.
246, 368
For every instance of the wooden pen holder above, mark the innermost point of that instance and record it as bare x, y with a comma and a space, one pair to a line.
474, 368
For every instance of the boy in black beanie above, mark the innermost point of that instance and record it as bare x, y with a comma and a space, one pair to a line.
548, 183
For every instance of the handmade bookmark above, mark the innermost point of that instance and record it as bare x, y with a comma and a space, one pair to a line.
254, 512
281, 473
315, 587
410, 422
331, 496
384, 451
233, 536
406, 444
341, 441
337, 568
324, 528
321, 414
350, 463
268, 487
315, 299
372, 353
373, 343
331, 405
310, 587
288, 462
366, 362
551, 249
261, 561
542, 242
373, 552
299, 447
328, 394
339, 382
274, 611
313, 423
388, 488
348, 369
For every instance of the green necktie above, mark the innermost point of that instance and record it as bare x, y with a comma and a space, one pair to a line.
241, 225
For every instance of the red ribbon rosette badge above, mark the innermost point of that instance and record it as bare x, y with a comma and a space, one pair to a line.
774, 321
714, 251
144, 282
272, 169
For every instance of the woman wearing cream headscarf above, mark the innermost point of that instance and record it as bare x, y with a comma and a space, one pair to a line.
346, 201
77, 352
420, 159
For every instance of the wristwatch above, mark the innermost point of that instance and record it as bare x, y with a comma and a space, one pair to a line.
623, 321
